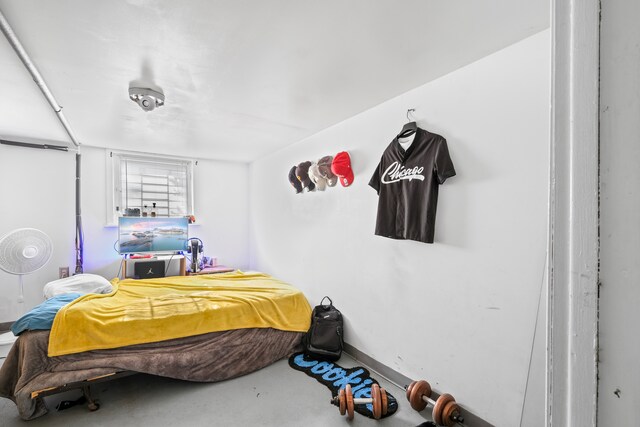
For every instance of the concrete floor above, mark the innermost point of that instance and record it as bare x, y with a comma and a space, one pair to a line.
274, 396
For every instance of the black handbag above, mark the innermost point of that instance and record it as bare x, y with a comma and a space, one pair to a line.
325, 339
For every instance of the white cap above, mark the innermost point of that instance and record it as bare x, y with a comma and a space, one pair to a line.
317, 179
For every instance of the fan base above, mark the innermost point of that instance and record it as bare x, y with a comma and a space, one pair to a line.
7, 338
6, 342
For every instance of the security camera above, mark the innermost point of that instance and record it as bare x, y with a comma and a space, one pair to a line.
147, 99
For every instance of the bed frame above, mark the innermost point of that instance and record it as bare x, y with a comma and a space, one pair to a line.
85, 386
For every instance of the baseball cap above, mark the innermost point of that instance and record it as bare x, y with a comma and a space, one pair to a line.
341, 166
324, 168
316, 178
302, 172
293, 180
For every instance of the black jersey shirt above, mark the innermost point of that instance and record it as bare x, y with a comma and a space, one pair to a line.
407, 185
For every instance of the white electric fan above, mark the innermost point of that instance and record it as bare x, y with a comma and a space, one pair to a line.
23, 251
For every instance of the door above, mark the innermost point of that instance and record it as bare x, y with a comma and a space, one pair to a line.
619, 305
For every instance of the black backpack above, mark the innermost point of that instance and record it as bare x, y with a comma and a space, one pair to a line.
325, 339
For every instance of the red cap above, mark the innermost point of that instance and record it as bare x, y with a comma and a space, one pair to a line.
341, 166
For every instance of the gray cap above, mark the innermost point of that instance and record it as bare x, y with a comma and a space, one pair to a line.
324, 169
316, 178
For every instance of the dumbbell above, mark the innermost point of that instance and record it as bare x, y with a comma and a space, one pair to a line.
345, 401
445, 410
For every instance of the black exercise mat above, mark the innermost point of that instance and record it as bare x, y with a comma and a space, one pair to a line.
336, 377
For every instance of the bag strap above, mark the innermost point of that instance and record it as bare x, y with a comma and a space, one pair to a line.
326, 306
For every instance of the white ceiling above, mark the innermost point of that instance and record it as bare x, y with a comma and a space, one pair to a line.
242, 78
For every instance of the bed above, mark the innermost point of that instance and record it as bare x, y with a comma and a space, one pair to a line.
196, 328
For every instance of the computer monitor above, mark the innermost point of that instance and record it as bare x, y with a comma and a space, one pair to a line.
152, 234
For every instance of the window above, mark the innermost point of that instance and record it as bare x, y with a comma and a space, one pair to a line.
142, 180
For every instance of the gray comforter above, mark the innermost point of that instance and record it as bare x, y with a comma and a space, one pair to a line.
209, 357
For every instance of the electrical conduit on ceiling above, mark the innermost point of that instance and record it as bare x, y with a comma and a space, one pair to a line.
37, 77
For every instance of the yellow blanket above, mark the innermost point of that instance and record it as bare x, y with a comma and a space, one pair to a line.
143, 311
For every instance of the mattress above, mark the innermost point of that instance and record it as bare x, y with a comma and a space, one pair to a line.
152, 310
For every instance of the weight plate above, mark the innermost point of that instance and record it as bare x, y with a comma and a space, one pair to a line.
349, 394
419, 389
376, 401
384, 401
447, 413
343, 401
409, 387
439, 406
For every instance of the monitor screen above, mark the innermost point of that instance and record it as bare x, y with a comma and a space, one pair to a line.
152, 234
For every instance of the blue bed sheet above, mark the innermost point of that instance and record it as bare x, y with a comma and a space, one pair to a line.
41, 316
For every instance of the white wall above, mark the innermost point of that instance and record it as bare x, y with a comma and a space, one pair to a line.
38, 191
221, 213
40, 186
461, 312
619, 347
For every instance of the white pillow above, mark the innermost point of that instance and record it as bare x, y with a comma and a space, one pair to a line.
80, 283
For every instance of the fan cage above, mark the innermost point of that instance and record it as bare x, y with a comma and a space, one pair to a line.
24, 251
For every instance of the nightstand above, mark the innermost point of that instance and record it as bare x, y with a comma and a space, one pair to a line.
177, 261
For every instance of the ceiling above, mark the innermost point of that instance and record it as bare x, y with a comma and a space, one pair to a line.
241, 78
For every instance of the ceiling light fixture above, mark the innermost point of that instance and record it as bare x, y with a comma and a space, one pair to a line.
147, 99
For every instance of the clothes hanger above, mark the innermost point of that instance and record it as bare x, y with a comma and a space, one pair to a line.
409, 128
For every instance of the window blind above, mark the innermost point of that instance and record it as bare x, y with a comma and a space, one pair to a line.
163, 182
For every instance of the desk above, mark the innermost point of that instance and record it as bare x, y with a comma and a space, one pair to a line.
213, 270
